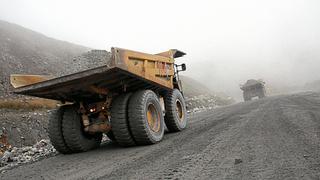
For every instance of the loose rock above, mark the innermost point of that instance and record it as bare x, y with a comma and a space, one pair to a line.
237, 161
15, 156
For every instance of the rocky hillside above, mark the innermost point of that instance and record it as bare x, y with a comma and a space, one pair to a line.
199, 97
26, 51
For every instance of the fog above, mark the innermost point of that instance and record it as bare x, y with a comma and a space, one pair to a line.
227, 42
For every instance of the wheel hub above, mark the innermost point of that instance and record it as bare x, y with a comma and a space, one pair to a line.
153, 117
179, 110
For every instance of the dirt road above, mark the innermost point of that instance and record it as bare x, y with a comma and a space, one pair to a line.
274, 138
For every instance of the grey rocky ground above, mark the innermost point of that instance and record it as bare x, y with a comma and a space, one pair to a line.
24, 127
273, 138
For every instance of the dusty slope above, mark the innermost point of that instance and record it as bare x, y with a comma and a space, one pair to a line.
315, 86
273, 138
25, 51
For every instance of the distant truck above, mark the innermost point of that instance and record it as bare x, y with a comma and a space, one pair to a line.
130, 99
253, 88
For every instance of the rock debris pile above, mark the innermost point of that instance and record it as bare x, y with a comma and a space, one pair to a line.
88, 60
205, 102
16, 156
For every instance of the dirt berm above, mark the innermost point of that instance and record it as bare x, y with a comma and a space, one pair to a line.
273, 138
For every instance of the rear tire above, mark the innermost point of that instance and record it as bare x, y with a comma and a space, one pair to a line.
246, 97
176, 112
73, 132
262, 95
119, 121
145, 117
55, 131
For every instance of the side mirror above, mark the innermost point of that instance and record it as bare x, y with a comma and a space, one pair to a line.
183, 67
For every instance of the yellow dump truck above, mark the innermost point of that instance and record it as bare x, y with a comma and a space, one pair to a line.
130, 99
253, 88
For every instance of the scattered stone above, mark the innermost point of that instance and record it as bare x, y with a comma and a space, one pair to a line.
201, 103
237, 161
14, 149
104, 138
175, 170
6, 156
16, 156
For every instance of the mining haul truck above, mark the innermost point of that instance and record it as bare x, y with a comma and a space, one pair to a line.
130, 99
253, 88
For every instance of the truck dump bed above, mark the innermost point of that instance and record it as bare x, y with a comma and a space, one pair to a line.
128, 71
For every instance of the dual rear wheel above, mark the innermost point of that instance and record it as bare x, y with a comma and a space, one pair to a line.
66, 132
136, 119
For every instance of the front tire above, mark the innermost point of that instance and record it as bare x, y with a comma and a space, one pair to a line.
145, 117
176, 113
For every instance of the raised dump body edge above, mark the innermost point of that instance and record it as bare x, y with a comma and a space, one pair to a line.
128, 71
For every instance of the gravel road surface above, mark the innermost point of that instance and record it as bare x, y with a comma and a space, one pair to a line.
273, 138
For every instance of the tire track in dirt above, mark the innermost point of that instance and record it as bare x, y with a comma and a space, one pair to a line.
180, 145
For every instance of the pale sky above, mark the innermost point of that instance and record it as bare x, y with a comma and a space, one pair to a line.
226, 41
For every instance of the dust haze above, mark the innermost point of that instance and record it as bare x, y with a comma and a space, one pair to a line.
227, 42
